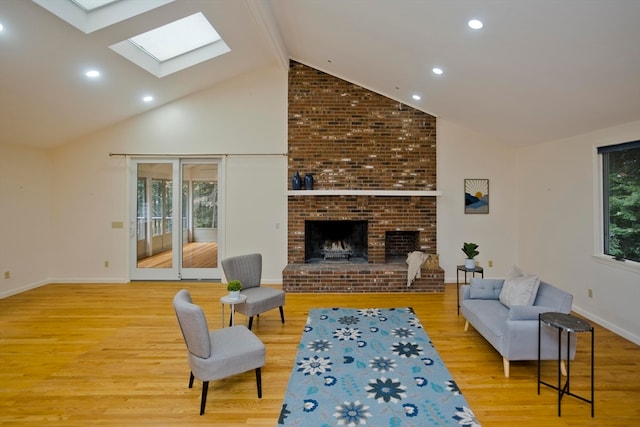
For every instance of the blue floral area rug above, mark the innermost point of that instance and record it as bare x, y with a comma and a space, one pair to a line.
374, 367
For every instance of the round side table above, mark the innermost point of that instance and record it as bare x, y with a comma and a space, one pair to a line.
570, 325
232, 302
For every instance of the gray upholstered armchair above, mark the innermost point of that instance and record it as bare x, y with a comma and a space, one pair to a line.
248, 270
214, 355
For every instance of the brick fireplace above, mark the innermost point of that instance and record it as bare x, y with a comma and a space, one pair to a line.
373, 161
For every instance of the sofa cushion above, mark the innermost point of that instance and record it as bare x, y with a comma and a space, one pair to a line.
527, 312
485, 288
519, 288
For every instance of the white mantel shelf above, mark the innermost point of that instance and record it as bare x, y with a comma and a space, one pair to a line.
402, 193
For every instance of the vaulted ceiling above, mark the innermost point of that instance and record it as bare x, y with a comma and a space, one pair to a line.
538, 70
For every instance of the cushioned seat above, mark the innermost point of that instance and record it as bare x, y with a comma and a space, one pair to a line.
214, 355
248, 270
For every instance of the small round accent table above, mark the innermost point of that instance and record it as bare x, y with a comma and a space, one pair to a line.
569, 324
232, 302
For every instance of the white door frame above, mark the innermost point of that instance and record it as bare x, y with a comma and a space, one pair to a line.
175, 272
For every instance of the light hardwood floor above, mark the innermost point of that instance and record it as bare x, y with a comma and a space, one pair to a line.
194, 255
112, 355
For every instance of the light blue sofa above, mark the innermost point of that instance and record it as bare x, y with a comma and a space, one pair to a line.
514, 331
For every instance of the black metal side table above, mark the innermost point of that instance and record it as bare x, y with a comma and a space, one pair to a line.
569, 324
466, 270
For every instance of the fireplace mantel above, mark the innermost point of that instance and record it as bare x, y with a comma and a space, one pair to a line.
402, 193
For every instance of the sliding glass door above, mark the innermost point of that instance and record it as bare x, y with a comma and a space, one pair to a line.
200, 219
175, 233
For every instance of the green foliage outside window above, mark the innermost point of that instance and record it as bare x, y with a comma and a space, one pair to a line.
205, 196
622, 203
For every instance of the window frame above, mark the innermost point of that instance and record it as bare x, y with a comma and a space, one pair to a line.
599, 212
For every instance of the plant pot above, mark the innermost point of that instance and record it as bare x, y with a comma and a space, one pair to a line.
234, 294
469, 264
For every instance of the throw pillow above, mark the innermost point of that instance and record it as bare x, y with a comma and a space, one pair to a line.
519, 288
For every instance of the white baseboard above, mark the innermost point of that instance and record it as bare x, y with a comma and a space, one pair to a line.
607, 325
89, 280
22, 289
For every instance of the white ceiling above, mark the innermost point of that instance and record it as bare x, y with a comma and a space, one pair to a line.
539, 70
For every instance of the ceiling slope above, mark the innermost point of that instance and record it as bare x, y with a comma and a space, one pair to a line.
538, 71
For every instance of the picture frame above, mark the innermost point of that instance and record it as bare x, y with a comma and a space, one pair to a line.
476, 196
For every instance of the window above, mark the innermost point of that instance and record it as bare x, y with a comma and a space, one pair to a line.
161, 206
621, 200
205, 195
141, 209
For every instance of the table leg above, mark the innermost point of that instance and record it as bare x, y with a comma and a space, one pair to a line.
458, 289
559, 371
592, 371
568, 385
539, 334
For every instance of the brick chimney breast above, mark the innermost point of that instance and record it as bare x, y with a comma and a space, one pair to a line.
350, 138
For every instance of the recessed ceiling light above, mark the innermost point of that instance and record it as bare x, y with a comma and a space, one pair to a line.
148, 98
416, 97
437, 70
475, 24
1, 27
93, 74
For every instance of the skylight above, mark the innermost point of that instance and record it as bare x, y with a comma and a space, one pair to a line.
91, 15
90, 5
174, 46
177, 38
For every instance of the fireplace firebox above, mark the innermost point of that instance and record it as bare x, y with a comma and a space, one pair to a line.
343, 241
398, 244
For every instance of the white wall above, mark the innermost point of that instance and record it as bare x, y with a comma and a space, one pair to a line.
558, 228
465, 154
56, 208
25, 221
246, 115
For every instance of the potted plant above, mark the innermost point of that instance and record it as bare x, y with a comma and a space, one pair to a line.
471, 251
234, 287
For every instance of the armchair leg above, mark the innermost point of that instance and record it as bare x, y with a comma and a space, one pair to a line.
282, 314
505, 363
190, 379
259, 382
250, 322
466, 326
203, 401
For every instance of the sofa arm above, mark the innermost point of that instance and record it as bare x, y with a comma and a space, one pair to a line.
465, 292
527, 312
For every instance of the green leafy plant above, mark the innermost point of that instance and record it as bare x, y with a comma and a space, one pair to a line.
234, 285
470, 250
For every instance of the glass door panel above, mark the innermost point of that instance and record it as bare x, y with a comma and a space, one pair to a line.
154, 238
200, 223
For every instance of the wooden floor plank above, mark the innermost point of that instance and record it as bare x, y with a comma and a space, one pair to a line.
112, 355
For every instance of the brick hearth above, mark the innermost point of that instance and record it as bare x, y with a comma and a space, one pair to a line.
350, 138
358, 278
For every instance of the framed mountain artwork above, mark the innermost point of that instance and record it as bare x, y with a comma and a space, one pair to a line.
476, 196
